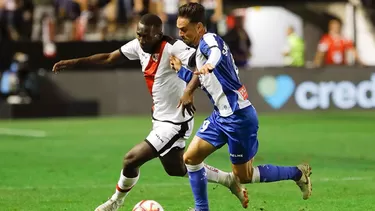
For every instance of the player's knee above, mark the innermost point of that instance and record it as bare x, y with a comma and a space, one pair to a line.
190, 160
130, 161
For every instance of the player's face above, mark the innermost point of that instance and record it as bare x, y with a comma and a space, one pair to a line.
335, 26
189, 32
148, 37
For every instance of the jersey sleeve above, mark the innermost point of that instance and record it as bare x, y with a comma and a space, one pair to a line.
210, 48
185, 74
323, 44
183, 52
130, 50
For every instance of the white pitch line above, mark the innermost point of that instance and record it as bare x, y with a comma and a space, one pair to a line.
345, 179
23, 132
165, 184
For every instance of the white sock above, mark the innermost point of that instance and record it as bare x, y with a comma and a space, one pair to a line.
215, 175
124, 186
256, 175
194, 168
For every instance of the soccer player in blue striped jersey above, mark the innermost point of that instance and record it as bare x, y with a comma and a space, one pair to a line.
234, 120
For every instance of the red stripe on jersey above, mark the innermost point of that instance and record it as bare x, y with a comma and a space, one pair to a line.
243, 92
152, 67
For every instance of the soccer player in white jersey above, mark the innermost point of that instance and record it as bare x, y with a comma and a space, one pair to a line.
171, 127
234, 120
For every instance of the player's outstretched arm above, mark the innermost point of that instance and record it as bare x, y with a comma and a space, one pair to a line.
192, 85
103, 59
183, 72
187, 99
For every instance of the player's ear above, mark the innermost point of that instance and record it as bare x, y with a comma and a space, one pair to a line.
199, 27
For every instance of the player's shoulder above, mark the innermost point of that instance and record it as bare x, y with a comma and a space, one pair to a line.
134, 41
210, 39
176, 45
210, 35
133, 44
326, 38
170, 40
173, 41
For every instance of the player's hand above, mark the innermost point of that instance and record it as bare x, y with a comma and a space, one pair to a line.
206, 69
187, 103
175, 63
62, 65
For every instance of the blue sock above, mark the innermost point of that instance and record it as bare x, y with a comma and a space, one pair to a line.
198, 183
270, 173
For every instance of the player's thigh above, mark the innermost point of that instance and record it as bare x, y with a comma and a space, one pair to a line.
166, 136
243, 142
207, 140
139, 154
172, 159
199, 149
173, 162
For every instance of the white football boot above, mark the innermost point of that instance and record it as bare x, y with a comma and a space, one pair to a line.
111, 205
239, 191
305, 182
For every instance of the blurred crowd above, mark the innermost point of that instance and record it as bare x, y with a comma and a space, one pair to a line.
98, 20
68, 20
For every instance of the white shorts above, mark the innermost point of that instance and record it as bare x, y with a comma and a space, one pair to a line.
167, 135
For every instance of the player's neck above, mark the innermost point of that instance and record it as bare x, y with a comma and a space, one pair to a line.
335, 34
196, 43
157, 47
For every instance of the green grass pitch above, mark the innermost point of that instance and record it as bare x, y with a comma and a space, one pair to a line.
77, 164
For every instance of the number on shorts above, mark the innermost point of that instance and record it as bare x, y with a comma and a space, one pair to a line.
204, 125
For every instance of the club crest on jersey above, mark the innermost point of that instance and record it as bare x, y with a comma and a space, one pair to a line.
155, 57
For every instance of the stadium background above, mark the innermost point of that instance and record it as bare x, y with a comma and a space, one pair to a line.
62, 137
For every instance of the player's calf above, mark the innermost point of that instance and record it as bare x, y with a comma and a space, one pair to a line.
131, 164
129, 176
244, 172
271, 173
198, 150
173, 163
265, 173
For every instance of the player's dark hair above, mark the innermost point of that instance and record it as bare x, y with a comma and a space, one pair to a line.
151, 20
192, 11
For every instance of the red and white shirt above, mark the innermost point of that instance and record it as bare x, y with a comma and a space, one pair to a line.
163, 83
335, 49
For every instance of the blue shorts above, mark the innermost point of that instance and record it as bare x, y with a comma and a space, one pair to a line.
239, 131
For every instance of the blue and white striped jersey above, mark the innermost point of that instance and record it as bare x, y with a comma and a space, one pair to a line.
223, 85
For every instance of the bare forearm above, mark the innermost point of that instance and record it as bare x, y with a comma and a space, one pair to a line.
97, 59
193, 84
319, 59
